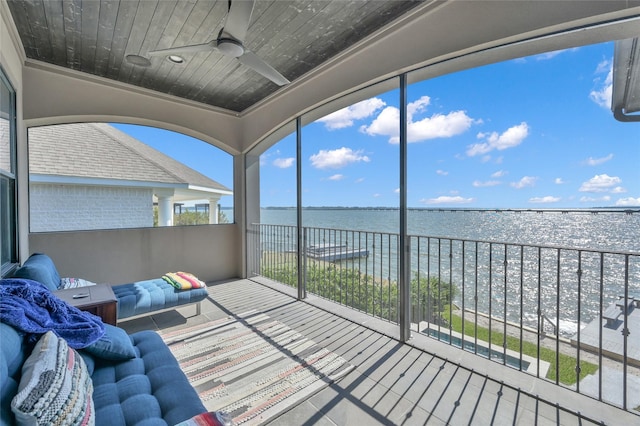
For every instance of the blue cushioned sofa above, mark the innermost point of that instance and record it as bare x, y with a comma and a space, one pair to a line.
149, 389
134, 299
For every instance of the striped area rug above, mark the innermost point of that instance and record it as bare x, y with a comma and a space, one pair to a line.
252, 366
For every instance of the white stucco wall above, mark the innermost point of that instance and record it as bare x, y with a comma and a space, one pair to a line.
72, 207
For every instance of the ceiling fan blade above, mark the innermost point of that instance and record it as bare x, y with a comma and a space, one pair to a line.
210, 46
250, 59
238, 19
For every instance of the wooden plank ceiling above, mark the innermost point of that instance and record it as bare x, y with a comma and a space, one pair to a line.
94, 36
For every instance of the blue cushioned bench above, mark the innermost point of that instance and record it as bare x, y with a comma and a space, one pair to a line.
144, 297
134, 299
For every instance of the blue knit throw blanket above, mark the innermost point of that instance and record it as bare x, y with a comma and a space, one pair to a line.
30, 307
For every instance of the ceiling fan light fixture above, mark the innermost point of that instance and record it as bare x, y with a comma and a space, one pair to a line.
176, 59
230, 47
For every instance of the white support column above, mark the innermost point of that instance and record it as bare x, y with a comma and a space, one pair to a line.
165, 208
213, 210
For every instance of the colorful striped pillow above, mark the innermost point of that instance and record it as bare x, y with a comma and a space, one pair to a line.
55, 386
183, 280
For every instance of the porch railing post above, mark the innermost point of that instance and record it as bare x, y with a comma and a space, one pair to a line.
300, 240
404, 279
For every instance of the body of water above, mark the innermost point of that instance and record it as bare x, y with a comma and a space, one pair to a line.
508, 280
577, 229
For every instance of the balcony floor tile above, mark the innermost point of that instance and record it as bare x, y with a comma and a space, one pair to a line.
423, 382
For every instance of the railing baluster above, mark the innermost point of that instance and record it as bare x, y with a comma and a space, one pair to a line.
600, 328
625, 332
540, 313
389, 302
429, 295
463, 294
475, 309
418, 315
490, 293
557, 333
381, 277
504, 295
440, 284
449, 286
521, 302
579, 272
366, 272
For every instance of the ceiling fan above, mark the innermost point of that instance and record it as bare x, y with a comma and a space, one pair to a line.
230, 42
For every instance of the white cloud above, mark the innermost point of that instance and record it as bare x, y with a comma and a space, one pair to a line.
597, 161
604, 198
397, 190
386, 124
336, 177
418, 106
479, 184
359, 180
600, 183
524, 182
559, 181
618, 190
284, 163
510, 138
548, 55
602, 93
337, 158
445, 199
499, 173
629, 201
436, 126
376, 195
345, 116
544, 200
604, 67
442, 172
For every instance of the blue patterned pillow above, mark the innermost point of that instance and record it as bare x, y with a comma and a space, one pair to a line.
55, 386
115, 345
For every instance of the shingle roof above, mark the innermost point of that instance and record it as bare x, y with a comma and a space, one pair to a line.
98, 150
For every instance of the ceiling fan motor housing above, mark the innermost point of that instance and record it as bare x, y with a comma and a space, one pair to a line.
230, 47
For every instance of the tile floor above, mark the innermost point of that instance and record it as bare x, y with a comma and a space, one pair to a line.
421, 383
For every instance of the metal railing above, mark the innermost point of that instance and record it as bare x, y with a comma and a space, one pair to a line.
563, 314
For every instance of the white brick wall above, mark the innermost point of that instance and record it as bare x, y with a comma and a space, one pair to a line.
72, 208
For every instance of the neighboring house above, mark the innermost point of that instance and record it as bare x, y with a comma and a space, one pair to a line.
93, 176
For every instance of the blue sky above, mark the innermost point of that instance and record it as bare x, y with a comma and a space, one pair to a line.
535, 132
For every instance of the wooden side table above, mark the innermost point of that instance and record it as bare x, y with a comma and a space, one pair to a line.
97, 299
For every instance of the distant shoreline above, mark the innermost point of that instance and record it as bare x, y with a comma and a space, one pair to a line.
612, 209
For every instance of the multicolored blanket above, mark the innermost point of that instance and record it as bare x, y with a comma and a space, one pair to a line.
183, 280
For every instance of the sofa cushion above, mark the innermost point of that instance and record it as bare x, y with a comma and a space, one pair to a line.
114, 345
152, 295
39, 267
149, 389
55, 386
12, 356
